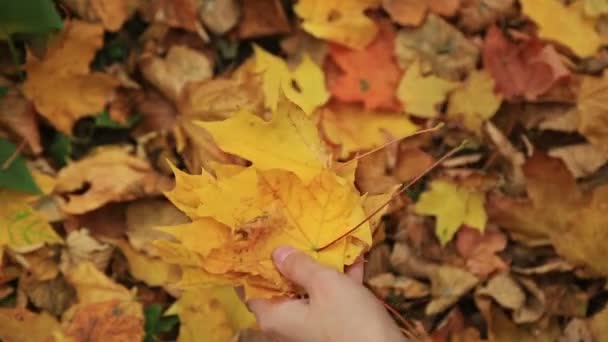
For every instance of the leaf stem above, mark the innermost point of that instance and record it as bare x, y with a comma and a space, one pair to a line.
399, 192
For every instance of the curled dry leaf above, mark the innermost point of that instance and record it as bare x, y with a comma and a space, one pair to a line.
480, 250
19, 117
371, 175
61, 85
504, 290
110, 175
591, 111
448, 284
527, 69
157, 113
263, 18
358, 81
581, 160
181, 66
386, 284
476, 15
81, 247
174, 13
413, 12
339, 21
439, 46
54, 295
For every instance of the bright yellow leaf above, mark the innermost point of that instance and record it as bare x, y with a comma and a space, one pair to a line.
356, 129
595, 8
565, 25
339, 21
421, 95
290, 141
453, 206
305, 86
23, 228
61, 85
20, 324
92, 286
210, 314
209, 234
230, 200
475, 101
150, 270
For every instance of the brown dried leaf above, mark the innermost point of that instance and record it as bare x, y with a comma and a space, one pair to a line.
110, 175
505, 291
220, 16
476, 15
112, 320
82, 247
54, 296
111, 13
263, 18
174, 13
581, 160
19, 117
449, 284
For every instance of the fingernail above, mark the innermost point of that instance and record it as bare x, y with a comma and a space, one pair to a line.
280, 254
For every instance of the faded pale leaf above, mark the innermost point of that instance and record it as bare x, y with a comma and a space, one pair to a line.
448, 284
356, 129
505, 291
111, 175
422, 95
453, 206
220, 16
581, 160
339, 21
61, 85
595, 8
290, 141
591, 110
82, 247
181, 66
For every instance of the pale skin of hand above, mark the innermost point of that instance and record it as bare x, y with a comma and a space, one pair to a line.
338, 308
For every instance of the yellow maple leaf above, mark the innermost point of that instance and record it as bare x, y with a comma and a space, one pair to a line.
23, 228
356, 129
230, 200
304, 86
92, 286
563, 24
61, 85
210, 314
421, 95
339, 21
475, 101
453, 206
290, 141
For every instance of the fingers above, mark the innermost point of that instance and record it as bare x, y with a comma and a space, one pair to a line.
284, 317
298, 267
355, 271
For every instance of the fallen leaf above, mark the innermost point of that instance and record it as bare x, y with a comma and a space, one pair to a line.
355, 129
448, 284
21, 325
82, 247
144, 215
220, 16
290, 141
304, 86
413, 12
53, 296
371, 175
150, 270
581, 160
551, 26
210, 314
111, 13
173, 72
590, 112
263, 18
175, 13
111, 175
422, 95
453, 205
595, 8
439, 47
528, 69
357, 81
505, 291
476, 15
102, 321
474, 102
93, 286
61, 85
18, 116
480, 250
339, 21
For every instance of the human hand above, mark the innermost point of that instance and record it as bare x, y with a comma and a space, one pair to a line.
338, 307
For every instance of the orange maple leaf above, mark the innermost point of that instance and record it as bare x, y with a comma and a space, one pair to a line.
372, 83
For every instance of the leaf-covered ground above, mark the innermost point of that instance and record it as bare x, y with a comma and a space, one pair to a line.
153, 153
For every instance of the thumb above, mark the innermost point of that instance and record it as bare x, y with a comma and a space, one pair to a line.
298, 267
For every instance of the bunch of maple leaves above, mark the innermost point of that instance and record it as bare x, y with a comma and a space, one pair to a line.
154, 153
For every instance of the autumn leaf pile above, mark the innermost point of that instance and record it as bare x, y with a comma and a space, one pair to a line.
154, 153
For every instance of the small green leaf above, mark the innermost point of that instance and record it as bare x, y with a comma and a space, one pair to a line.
104, 120
155, 323
16, 176
61, 149
3, 91
28, 16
